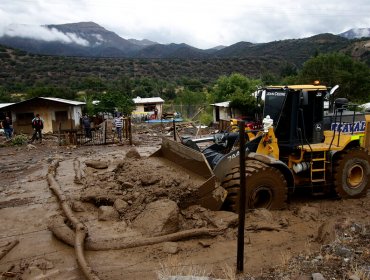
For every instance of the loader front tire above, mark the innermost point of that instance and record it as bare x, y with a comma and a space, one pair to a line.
266, 187
352, 173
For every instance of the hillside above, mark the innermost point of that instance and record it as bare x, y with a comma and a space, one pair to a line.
21, 70
88, 39
295, 51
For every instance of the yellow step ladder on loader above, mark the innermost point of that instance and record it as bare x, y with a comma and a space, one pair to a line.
318, 168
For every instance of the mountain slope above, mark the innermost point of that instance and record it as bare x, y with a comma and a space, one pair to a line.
356, 33
88, 39
172, 51
295, 51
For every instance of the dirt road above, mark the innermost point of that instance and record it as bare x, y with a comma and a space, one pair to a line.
315, 235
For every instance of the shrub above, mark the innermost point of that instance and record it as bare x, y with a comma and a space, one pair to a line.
19, 140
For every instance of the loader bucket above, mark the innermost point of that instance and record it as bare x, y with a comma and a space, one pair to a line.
206, 190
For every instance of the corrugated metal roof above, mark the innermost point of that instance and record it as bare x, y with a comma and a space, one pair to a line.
72, 102
2, 105
222, 104
139, 100
298, 87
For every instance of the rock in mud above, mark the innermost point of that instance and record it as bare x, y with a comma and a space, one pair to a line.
96, 164
107, 213
224, 219
159, 218
133, 153
148, 180
308, 213
98, 196
170, 247
328, 230
126, 185
260, 215
77, 206
317, 276
120, 205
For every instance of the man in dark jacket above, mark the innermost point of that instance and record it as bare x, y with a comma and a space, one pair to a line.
87, 126
8, 128
37, 125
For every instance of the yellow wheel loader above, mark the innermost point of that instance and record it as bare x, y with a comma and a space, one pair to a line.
296, 148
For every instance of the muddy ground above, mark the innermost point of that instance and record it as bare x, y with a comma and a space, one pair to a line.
315, 237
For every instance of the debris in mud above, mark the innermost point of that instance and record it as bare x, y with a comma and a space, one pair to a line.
107, 213
133, 153
6, 248
97, 164
137, 183
14, 202
159, 218
345, 254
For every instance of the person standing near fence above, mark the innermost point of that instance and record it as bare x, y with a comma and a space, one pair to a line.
87, 126
38, 126
118, 123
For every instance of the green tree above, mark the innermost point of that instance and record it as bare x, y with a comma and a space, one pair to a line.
92, 84
239, 90
227, 86
112, 101
352, 76
190, 101
51, 91
5, 96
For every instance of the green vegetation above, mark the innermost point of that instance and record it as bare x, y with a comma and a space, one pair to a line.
19, 140
185, 84
113, 101
336, 68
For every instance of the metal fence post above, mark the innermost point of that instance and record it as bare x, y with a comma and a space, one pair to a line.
129, 130
174, 130
242, 198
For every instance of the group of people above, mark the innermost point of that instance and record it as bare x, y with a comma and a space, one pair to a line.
117, 122
37, 126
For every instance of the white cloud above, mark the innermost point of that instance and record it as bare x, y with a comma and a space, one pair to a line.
42, 33
201, 23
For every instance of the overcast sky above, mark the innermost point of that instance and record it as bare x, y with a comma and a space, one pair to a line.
200, 23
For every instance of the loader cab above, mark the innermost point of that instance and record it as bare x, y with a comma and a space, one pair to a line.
297, 112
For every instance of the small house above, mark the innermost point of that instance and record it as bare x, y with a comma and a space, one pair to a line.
148, 107
57, 113
222, 114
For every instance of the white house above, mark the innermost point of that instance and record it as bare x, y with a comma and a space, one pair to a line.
148, 106
222, 114
221, 111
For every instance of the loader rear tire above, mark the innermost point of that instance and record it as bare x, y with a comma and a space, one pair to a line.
352, 173
266, 187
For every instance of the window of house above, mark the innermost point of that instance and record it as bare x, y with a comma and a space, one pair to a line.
24, 118
149, 107
61, 116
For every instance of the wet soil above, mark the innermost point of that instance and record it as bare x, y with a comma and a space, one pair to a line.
287, 244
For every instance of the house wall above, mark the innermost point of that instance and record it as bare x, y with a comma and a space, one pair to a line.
51, 112
224, 113
139, 110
